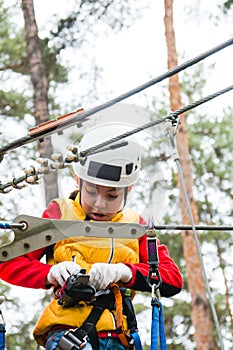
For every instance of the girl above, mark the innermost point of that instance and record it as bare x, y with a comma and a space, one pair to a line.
104, 180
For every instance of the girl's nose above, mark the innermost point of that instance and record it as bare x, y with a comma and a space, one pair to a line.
100, 203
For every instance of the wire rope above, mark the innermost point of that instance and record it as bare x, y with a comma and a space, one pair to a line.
79, 117
187, 202
171, 116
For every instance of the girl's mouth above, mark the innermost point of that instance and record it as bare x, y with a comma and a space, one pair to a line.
98, 216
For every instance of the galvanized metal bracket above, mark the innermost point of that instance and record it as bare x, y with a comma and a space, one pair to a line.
37, 232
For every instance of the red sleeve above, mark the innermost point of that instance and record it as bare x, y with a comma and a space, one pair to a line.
52, 212
27, 270
172, 281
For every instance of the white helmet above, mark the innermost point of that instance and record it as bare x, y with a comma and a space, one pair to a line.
119, 167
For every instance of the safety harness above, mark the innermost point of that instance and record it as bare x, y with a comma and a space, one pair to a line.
118, 299
157, 326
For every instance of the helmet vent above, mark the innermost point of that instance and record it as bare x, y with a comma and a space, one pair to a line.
129, 168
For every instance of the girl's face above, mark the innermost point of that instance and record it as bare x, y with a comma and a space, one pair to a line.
101, 203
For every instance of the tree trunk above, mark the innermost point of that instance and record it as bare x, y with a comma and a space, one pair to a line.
40, 86
200, 311
227, 289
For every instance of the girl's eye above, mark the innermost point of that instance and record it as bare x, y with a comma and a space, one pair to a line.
91, 193
112, 196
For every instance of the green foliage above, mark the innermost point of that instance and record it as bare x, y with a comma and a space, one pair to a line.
14, 104
20, 335
211, 149
19, 329
14, 67
178, 324
139, 307
227, 5
89, 15
54, 70
17, 332
12, 44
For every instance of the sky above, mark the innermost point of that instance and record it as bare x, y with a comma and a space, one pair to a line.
134, 56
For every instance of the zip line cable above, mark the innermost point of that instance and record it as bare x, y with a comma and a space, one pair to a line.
176, 158
190, 228
6, 225
77, 117
172, 115
32, 174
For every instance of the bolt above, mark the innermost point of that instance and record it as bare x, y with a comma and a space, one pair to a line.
133, 231
110, 229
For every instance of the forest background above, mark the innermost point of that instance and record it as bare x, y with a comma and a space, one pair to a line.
111, 50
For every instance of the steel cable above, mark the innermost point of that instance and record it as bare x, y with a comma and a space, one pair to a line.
79, 117
171, 116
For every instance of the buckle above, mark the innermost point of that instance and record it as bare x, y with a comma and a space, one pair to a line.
70, 342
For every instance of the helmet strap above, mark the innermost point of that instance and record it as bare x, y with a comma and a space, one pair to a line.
125, 196
80, 188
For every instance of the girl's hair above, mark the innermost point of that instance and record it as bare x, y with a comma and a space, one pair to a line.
73, 194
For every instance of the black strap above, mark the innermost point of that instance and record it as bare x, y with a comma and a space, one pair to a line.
89, 327
128, 310
77, 336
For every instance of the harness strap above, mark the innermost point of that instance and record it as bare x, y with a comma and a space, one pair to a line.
2, 336
157, 328
137, 340
76, 339
125, 339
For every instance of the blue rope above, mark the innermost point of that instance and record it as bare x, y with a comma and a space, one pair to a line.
5, 225
2, 337
157, 327
137, 341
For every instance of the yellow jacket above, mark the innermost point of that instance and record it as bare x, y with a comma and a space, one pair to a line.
87, 250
